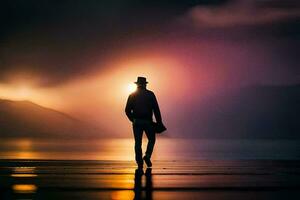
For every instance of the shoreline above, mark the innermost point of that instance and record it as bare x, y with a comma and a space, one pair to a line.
64, 179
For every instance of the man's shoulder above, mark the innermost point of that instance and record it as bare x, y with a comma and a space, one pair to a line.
131, 95
145, 92
149, 92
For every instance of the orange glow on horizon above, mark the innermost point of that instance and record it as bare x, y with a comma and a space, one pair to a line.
23, 92
100, 97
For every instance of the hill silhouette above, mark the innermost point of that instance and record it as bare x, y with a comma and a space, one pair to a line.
253, 112
27, 119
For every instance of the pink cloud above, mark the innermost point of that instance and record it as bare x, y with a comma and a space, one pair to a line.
242, 12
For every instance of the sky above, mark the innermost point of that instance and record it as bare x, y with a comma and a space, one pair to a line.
81, 57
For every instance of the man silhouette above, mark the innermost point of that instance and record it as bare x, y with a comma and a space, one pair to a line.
139, 109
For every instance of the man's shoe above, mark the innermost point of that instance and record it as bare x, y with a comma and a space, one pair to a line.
147, 161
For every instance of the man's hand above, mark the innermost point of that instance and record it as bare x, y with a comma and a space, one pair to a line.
159, 122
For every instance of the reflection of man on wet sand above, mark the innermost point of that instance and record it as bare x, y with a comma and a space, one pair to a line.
139, 109
138, 184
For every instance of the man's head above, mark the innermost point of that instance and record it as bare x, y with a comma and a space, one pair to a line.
141, 82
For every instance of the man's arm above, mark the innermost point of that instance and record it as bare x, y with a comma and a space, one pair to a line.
156, 110
128, 108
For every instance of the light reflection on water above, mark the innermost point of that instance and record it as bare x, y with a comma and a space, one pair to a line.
122, 195
24, 188
165, 149
23, 172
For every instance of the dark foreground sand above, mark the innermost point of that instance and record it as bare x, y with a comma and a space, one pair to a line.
45, 179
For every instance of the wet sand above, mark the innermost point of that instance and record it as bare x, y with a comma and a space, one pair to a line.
204, 179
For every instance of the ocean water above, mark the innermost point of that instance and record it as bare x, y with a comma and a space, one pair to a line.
170, 149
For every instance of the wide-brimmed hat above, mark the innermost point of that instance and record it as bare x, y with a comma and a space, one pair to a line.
141, 80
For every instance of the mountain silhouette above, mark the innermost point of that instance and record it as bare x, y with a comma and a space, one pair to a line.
254, 112
27, 119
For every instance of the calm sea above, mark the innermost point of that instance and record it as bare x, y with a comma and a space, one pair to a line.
165, 149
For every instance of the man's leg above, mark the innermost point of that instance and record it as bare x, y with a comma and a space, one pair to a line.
138, 136
151, 140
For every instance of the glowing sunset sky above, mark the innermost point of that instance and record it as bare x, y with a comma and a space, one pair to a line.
79, 57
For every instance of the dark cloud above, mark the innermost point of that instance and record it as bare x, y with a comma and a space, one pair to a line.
62, 39
59, 40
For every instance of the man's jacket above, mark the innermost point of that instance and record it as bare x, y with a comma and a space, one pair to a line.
141, 105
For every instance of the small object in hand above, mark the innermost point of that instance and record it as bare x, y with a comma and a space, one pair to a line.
158, 127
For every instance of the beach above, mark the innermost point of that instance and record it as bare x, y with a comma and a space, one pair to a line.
182, 169
209, 179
